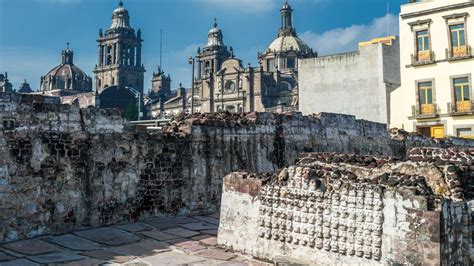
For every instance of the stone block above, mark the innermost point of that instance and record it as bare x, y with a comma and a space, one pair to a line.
173, 258
5, 257
135, 227
160, 236
199, 226
215, 254
73, 242
30, 247
19, 262
85, 262
207, 240
142, 248
181, 232
108, 255
108, 236
55, 257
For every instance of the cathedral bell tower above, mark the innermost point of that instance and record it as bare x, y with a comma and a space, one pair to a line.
120, 54
209, 62
286, 28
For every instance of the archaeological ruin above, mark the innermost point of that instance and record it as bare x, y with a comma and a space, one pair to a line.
323, 188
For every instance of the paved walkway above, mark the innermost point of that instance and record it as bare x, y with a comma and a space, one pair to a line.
159, 241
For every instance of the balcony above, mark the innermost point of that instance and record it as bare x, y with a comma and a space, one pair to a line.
424, 111
459, 53
461, 108
423, 58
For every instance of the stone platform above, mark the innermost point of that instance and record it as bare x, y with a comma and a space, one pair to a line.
158, 241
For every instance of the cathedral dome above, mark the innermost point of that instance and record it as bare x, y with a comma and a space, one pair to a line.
120, 18
215, 37
288, 43
66, 76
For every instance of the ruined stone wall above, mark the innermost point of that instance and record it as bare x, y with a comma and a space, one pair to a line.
63, 168
350, 209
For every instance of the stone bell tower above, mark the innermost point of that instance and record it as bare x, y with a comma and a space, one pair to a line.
120, 54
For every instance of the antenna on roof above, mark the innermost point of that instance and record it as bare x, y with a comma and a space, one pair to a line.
161, 47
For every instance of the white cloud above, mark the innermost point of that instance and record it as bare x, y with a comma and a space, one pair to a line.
341, 40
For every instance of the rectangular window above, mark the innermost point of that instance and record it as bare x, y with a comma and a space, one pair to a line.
461, 87
290, 63
423, 41
465, 133
462, 94
457, 35
426, 92
270, 64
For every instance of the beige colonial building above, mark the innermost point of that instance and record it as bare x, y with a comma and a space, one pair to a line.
222, 83
437, 64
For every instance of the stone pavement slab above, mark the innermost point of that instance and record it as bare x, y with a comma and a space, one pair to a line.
86, 262
169, 222
55, 257
30, 247
19, 262
215, 254
142, 248
108, 236
233, 263
199, 226
172, 258
193, 247
181, 242
160, 223
178, 231
5, 257
210, 232
207, 240
160, 236
108, 255
73, 242
135, 227
216, 215
208, 219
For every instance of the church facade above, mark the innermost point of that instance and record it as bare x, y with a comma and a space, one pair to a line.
222, 83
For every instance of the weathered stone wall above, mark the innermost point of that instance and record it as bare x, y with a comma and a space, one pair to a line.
349, 209
63, 168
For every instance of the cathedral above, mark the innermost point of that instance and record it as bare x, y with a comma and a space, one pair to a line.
222, 83
118, 75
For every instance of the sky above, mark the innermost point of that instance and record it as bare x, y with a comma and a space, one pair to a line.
34, 32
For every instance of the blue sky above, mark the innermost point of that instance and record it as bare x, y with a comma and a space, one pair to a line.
33, 32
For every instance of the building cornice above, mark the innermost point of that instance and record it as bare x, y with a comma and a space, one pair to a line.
457, 15
420, 22
435, 10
